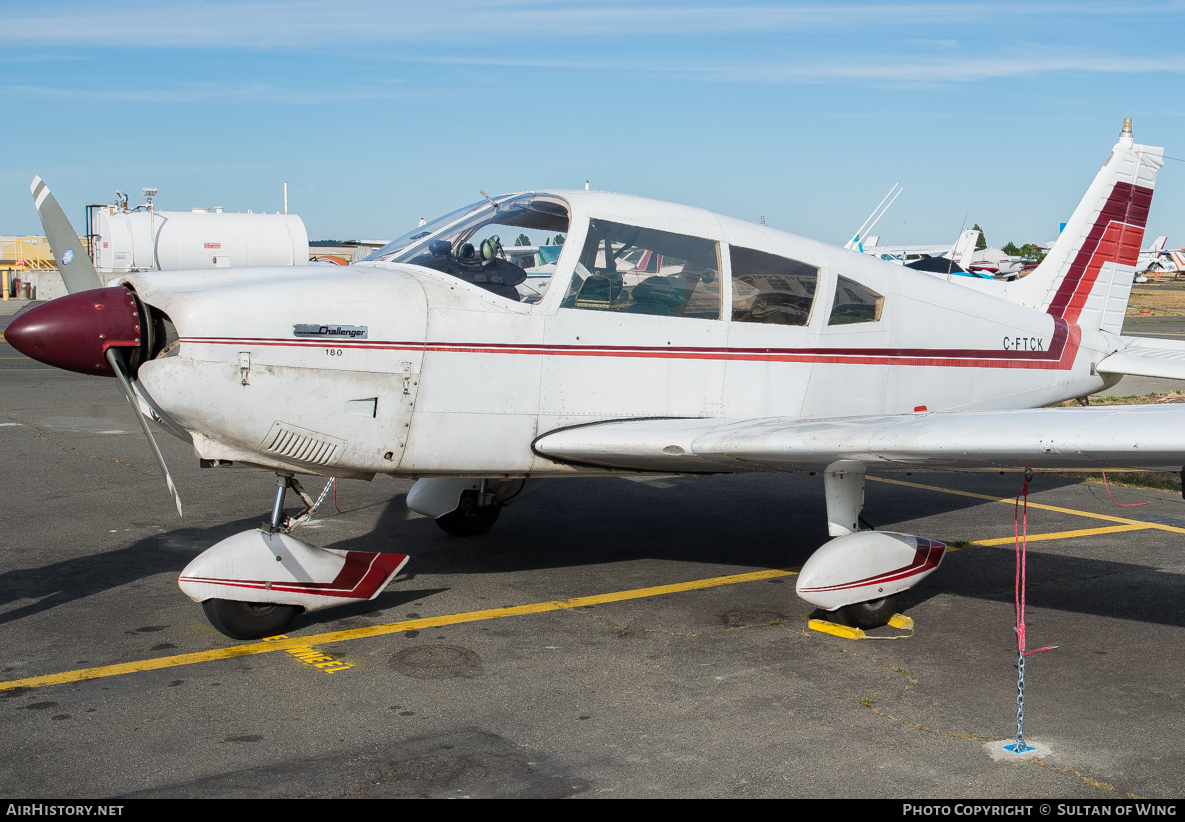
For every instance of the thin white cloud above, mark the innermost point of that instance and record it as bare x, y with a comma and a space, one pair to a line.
862, 43
836, 69
528, 23
840, 67
273, 94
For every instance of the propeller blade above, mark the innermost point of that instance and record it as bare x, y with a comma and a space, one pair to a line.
117, 367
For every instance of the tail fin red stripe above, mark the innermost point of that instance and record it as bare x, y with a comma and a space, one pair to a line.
1116, 236
1107, 250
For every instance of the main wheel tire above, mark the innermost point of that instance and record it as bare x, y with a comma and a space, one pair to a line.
249, 620
469, 519
867, 615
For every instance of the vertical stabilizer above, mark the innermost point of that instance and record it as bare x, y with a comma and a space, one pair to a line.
1087, 276
964, 247
78, 273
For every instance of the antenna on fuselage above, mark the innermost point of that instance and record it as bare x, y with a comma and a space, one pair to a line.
488, 197
873, 218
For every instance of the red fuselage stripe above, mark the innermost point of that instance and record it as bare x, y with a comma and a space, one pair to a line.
1060, 354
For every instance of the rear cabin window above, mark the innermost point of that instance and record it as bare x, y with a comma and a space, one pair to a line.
855, 303
771, 289
637, 270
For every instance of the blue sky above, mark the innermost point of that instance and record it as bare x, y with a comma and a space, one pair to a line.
379, 113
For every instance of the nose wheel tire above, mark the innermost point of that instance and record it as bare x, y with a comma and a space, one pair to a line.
867, 615
249, 620
469, 519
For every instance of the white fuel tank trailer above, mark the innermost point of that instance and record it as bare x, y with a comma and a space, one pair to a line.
142, 239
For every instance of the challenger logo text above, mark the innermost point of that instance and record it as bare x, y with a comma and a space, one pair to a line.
330, 332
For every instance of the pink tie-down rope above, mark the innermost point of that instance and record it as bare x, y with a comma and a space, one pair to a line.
1020, 527
1120, 504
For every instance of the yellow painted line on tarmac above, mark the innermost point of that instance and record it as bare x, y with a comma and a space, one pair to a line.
266, 647
1138, 523
306, 642
1083, 532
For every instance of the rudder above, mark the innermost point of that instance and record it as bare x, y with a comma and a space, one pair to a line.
1087, 276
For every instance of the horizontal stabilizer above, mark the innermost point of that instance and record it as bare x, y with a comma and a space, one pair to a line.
1147, 358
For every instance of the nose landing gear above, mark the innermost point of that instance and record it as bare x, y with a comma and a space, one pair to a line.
253, 584
249, 620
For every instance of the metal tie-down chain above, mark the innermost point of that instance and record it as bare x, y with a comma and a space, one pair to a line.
311, 506
1021, 747
1020, 526
1021, 556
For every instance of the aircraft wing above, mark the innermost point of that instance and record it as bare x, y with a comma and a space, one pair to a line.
1064, 439
1146, 357
931, 250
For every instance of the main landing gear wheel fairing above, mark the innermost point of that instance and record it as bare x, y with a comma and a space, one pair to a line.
866, 615
470, 519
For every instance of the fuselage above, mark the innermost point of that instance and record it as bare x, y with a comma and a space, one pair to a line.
404, 369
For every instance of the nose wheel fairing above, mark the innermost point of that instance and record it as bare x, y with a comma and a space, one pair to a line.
278, 569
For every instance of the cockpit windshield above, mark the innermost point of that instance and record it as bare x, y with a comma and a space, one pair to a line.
509, 247
391, 249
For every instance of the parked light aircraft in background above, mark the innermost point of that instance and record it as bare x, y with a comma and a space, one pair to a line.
661, 339
1156, 260
996, 264
925, 257
962, 249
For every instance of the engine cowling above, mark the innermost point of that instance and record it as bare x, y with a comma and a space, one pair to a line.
867, 565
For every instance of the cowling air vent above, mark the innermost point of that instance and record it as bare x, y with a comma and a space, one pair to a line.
295, 443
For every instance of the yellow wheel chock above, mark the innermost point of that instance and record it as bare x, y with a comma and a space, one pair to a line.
898, 621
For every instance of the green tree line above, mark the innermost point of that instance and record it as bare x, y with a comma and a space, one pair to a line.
1030, 251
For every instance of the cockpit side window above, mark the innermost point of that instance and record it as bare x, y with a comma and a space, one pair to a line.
637, 270
510, 249
855, 303
770, 289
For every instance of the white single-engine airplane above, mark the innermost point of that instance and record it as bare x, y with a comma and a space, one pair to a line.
664, 339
